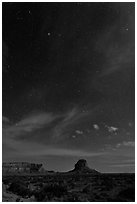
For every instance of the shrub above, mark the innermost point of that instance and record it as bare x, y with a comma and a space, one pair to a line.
19, 189
50, 191
87, 189
127, 194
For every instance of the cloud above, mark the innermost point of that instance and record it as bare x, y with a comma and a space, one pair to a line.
122, 165
43, 134
27, 125
73, 136
80, 132
124, 161
96, 127
129, 143
37, 120
111, 129
53, 151
108, 147
54, 126
71, 118
35, 149
71, 114
118, 52
126, 144
120, 57
24, 149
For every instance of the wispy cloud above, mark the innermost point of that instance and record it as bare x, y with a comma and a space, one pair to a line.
53, 151
12, 133
96, 127
126, 144
28, 124
22, 135
24, 149
124, 161
71, 118
111, 129
79, 132
122, 165
38, 119
118, 56
47, 128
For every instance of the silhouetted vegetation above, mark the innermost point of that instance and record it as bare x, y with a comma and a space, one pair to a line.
19, 188
73, 188
50, 191
126, 194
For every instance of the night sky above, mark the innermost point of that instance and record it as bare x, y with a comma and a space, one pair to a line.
68, 84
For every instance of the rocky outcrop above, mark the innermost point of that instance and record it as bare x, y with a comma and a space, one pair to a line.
24, 167
81, 164
82, 167
20, 167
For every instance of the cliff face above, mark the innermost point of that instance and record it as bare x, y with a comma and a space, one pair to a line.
20, 167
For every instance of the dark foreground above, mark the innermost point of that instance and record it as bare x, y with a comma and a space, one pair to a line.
69, 187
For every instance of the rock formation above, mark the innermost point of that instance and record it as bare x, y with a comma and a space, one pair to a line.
82, 167
20, 167
25, 167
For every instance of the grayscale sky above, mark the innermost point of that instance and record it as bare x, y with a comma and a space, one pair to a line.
68, 84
